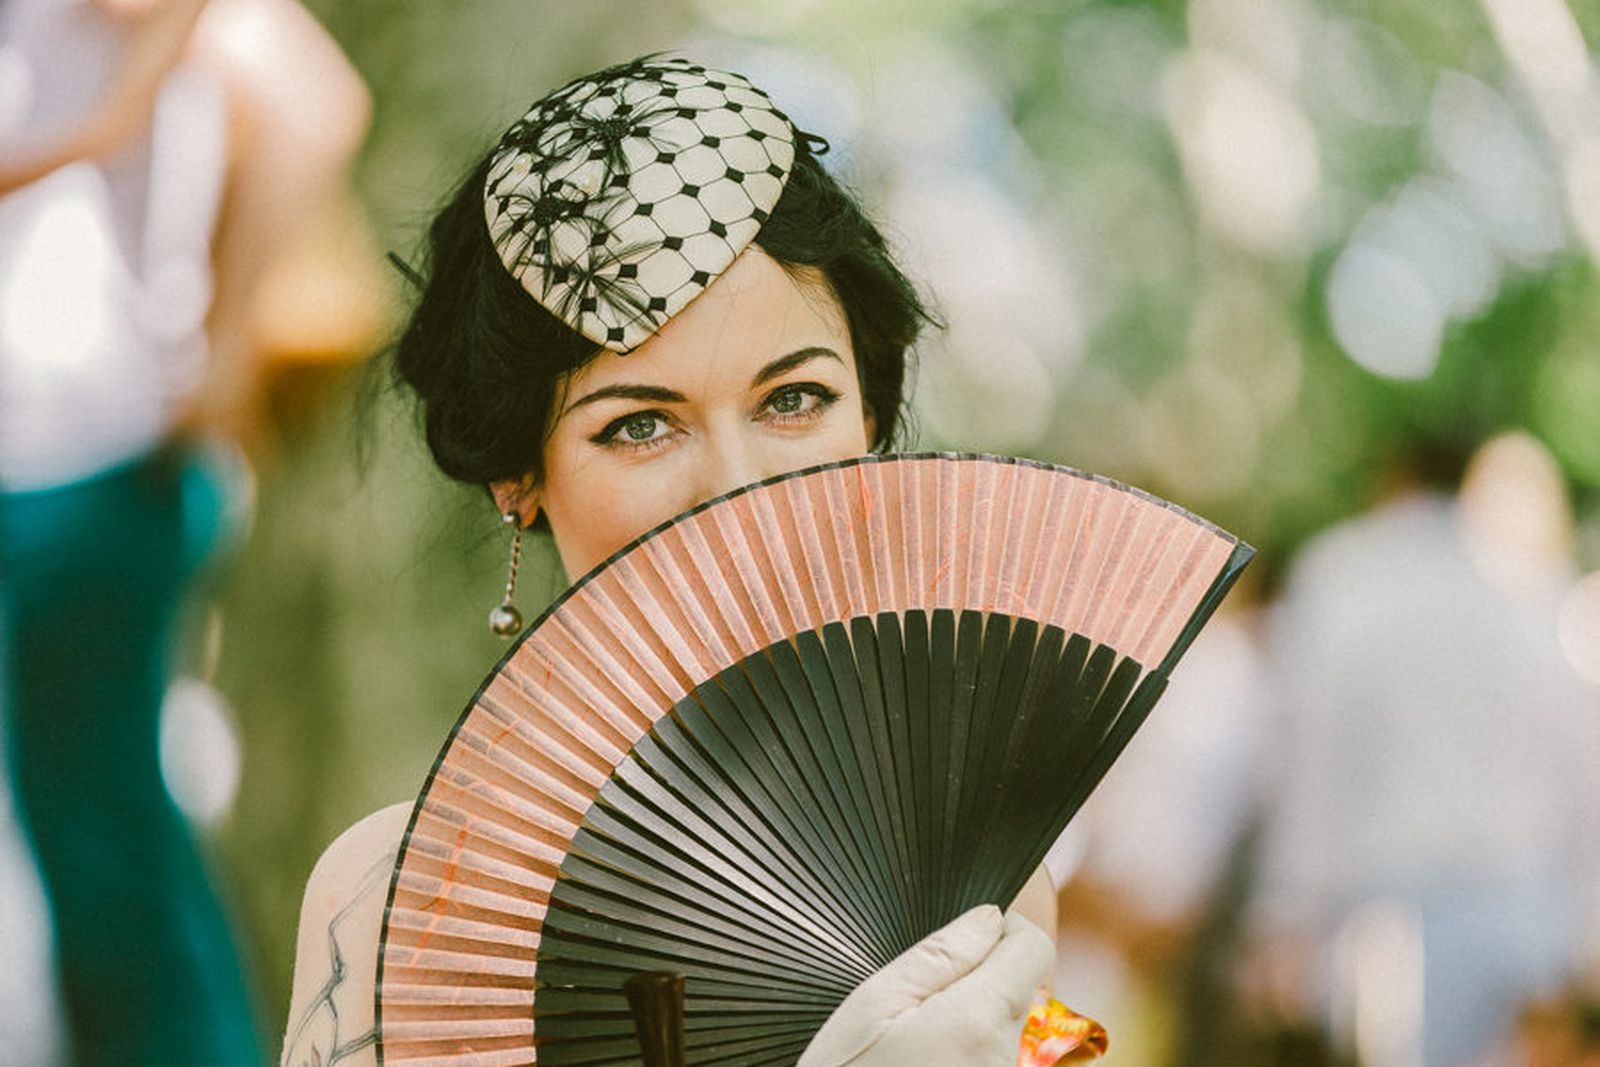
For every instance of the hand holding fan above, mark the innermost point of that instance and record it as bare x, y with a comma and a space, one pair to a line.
773, 744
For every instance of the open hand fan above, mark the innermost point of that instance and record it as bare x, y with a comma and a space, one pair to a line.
775, 742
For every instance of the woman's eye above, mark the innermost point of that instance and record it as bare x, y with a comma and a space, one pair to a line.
788, 402
639, 430
801, 400
640, 427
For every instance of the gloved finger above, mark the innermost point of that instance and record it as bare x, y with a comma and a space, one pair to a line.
938, 960
1004, 983
977, 1019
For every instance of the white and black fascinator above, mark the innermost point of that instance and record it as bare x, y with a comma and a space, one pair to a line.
620, 197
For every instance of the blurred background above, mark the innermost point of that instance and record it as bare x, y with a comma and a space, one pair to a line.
1323, 271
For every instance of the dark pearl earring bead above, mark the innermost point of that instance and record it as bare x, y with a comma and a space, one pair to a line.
505, 620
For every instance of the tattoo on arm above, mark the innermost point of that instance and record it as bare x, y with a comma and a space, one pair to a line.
316, 1039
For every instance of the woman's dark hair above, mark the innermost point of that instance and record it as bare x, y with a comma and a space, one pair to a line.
484, 357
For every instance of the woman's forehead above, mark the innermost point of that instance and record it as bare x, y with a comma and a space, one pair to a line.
755, 312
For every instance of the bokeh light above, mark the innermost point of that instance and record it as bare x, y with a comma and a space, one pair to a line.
1384, 313
1248, 152
1580, 628
200, 755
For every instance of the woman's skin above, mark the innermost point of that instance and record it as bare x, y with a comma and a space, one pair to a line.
756, 377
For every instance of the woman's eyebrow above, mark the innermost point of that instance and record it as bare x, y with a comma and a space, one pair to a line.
791, 361
661, 395
630, 392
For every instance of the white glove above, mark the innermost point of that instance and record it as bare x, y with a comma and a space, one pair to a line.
958, 997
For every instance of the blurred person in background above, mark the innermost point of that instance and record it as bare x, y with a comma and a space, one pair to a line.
155, 157
1432, 855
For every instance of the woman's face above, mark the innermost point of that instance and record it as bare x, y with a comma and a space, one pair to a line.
755, 377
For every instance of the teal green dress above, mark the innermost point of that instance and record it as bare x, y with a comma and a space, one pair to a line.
92, 576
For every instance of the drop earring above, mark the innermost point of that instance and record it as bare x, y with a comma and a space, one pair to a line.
505, 620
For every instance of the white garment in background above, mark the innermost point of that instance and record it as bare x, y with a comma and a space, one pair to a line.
105, 274
1441, 766
1161, 827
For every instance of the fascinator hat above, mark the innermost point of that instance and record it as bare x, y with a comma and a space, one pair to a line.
620, 197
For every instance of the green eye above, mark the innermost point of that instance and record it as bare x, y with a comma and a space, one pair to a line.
640, 430
788, 402
640, 427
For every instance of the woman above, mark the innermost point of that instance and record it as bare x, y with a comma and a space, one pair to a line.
649, 294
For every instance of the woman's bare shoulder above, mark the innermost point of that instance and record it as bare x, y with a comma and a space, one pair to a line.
345, 864
336, 952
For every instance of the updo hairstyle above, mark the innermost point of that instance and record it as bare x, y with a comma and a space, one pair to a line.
484, 359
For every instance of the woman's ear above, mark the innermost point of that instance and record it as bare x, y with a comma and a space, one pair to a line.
519, 495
